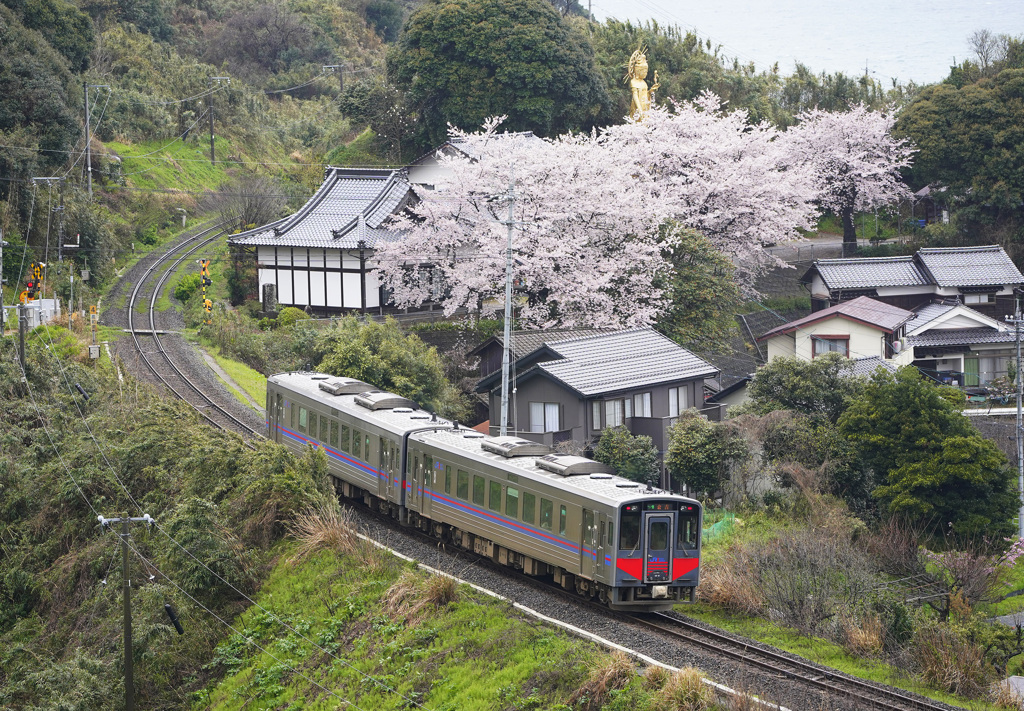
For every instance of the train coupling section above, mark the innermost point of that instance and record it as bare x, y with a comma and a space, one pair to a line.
659, 592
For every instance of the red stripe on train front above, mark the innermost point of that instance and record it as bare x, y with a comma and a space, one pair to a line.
682, 566
633, 567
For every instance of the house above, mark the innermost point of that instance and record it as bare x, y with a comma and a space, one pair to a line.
491, 351
983, 278
322, 256
573, 388
945, 340
861, 327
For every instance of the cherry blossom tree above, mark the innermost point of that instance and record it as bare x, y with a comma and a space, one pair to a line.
856, 161
585, 242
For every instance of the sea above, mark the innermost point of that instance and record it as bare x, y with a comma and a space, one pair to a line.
891, 40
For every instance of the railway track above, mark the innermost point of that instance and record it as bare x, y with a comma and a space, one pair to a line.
175, 379
861, 694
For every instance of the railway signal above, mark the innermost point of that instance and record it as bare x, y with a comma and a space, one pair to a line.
205, 281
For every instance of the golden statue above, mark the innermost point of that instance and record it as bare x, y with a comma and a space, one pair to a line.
636, 75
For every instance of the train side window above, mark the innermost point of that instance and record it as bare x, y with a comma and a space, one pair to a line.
686, 535
479, 485
302, 419
463, 491
428, 464
312, 425
366, 447
600, 538
529, 505
291, 415
334, 433
357, 439
512, 502
494, 496
629, 534
611, 533
324, 427
561, 521
547, 512
447, 478
345, 447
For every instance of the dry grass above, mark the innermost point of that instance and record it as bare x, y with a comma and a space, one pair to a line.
655, 677
613, 672
950, 662
864, 637
324, 527
412, 595
731, 585
1004, 696
684, 691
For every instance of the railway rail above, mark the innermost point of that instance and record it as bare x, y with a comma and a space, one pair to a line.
862, 693
186, 389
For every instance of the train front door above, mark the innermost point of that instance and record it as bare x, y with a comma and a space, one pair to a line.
275, 412
658, 551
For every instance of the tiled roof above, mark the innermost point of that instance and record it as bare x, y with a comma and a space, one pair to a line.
960, 337
877, 314
868, 365
970, 266
939, 266
623, 360
350, 206
526, 342
869, 272
927, 314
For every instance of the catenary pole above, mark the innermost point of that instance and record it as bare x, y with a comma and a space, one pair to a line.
507, 346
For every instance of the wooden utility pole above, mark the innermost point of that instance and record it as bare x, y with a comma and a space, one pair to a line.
126, 584
213, 156
88, 133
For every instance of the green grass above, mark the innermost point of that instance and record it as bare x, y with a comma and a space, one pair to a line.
474, 653
253, 382
186, 166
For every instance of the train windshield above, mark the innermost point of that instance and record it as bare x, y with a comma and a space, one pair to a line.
629, 529
687, 531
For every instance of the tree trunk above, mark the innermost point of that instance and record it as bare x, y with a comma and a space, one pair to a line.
849, 234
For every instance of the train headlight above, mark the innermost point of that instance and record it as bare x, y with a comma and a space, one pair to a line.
659, 592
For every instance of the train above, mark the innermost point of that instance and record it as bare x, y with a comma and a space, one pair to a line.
627, 545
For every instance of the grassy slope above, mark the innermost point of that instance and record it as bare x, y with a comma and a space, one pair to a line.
474, 653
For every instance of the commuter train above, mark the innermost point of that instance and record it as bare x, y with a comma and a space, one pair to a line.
506, 498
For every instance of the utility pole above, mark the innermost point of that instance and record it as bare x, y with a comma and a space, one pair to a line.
511, 199
126, 521
22, 328
340, 69
3, 314
213, 156
88, 133
1016, 321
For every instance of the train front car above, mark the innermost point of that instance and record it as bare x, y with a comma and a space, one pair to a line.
657, 557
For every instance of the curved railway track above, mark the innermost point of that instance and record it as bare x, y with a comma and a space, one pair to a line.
865, 695
860, 694
186, 390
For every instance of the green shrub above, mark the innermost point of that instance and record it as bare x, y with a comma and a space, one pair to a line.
633, 456
187, 285
289, 315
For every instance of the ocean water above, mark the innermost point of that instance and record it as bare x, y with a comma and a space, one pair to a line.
914, 40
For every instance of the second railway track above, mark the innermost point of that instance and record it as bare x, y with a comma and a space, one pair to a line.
169, 373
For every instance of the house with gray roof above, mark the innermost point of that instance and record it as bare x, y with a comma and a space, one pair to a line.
322, 255
983, 278
574, 387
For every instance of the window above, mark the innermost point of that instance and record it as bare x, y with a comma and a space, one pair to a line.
334, 433
463, 486
357, 438
561, 520
613, 413
479, 486
659, 535
629, 536
428, 464
544, 417
324, 427
529, 503
979, 298
641, 405
611, 533
366, 446
312, 425
512, 502
596, 414
448, 478
291, 416
686, 535
600, 537
831, 344
494, 496
302, 419
547, 512
345, 446
678, 400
